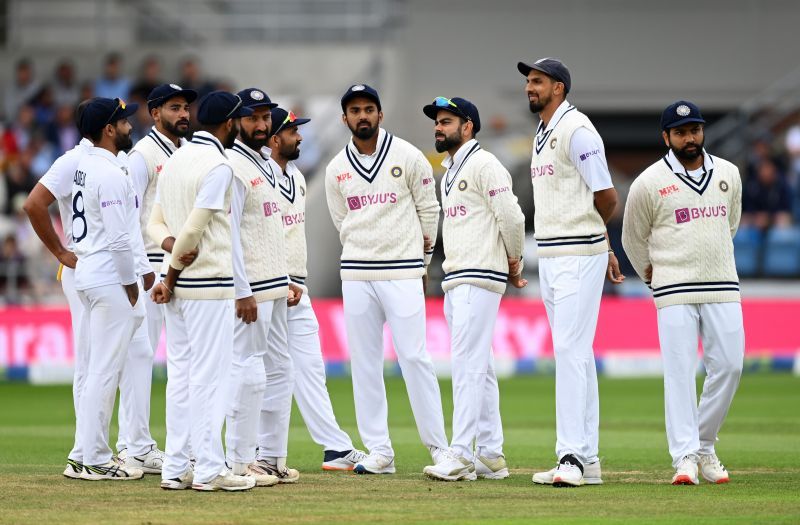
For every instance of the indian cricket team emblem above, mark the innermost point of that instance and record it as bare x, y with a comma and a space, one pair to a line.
396, 171
683, 110
256, 95
553, 143
723, 185
303, 191
175, 86
462, 185
358, 87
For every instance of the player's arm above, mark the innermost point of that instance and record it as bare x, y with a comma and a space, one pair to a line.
422, 185
735, 208
113, 197
140, 177
246, 306
637, 225
36, 206
336, 202
587, 153
494, 183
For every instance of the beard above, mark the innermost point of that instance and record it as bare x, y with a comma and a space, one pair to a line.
179, 129
538, 105
123, 142
252, 141
231, 138
294, 154
689, 152
446, 143
364, 133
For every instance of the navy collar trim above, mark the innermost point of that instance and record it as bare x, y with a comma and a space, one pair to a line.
541, 140
205, 140
369, 174
288, 190
161, 143
699, 186
448, 180
268, 174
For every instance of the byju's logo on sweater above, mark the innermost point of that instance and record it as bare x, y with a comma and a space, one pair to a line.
270, 209
703, 212
541, 171
356, 202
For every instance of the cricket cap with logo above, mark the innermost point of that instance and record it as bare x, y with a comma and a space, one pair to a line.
256, 98
282, 119
101, 111
457, 106
161, 94
360, 90
680, 113
219, 106
552, 67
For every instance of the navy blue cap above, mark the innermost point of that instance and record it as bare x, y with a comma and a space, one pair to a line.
161, 94
255, 98
552, 67
219, 106
457, 106
101, 111
282, 119
361, 90
680, 113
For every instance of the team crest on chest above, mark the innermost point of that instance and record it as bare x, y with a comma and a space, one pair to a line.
396, 171
462, 185
723, 185
553, 143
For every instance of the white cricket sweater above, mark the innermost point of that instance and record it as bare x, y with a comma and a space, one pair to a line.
292, 190
155, 149
261, 224
210, 276
684, 229
382, 205
483, 223
565, 219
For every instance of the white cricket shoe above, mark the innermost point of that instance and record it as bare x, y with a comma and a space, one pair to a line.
180, 483
686, 472
375, 464
122, 455
495, 468
345, 460
73, 470
150, 463
452, 468
439, 454
569, 472
110, 470
226, 481
278, 468
591, 475
262, 476
711, 469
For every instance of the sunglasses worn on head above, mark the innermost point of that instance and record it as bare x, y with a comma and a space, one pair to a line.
291, 117
120, 105
446, 103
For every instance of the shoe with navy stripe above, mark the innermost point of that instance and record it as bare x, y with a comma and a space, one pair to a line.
110, 471
342, 460
73, 470
375, 464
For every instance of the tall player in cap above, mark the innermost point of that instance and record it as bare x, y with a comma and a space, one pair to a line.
309, 389
476, 197
381, 197
680, 218
261, 283
192, 203
110, 251
574, 199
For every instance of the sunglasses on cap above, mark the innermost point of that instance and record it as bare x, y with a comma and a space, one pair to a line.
290, 117
120, 106
446, 103
235, 108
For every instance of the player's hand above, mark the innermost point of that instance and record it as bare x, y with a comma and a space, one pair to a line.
148, 280
68, 259
188, 258
614, 275
132, 291
167, 244
160, 293
247, 309
294, 295
648, 272
514, 267
517, 281
427, 244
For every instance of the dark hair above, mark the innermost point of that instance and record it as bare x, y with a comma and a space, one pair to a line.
96, 136
79, 110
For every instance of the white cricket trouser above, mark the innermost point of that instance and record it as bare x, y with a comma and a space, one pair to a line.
248, 380
112, 321
571, 288
471, 312
692, 429
310, 391
80, 345
199, 352
401, 303
276, 403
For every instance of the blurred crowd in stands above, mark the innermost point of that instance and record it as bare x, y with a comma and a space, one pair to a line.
37, 126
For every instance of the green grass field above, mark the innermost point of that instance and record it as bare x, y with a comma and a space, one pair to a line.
760, 445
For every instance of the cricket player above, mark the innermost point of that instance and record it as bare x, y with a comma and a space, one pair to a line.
192, 203
108, 244
476, 197
261, 285
680, 218
309, 387
574, 199
381, 197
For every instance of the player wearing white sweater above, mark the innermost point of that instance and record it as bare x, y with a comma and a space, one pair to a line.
309, 387
383, 203
680, 218
574, 198
192, 206
476, 197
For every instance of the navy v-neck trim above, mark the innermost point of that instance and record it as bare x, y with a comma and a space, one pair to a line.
369, 174
697, 186
541, 141
448, 182
249, 156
